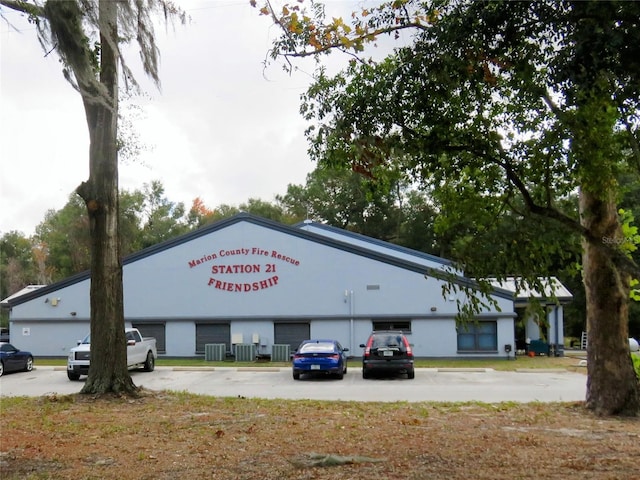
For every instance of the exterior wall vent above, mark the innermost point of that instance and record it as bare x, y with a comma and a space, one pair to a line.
245, 352
373, 287
214, 352
280, 353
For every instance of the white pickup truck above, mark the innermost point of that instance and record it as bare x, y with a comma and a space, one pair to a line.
141, 353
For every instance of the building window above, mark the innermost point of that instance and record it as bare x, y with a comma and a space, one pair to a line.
402, 325
478, 337
155, 330
212, 333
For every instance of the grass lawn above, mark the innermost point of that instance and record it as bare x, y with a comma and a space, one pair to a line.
522, 362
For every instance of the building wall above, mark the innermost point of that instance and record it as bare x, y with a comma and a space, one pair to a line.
250, 277
166, 285
429, 338
68, 304
47, 338
180, 338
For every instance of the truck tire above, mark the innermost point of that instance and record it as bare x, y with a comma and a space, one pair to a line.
150, 363
73, 376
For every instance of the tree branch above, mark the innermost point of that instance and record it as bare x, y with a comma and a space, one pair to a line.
337, 44
619, 258
23, 7
633, 141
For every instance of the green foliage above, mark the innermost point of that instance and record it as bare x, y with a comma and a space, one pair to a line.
629, 244
497, 117
17, 267
389, 210
161, 219
630, 236
264, 209
63, 236
635, 358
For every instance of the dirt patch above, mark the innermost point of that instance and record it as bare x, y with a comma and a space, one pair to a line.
173, 435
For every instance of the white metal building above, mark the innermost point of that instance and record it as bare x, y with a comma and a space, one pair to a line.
251, 282
553, 297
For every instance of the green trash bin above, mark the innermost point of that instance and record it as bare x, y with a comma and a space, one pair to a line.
539, 347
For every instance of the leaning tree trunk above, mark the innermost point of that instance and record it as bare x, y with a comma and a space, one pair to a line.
108, 371
612, 386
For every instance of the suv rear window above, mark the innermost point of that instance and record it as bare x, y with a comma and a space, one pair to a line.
388, 340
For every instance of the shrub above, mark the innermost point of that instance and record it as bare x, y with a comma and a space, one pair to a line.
636, 363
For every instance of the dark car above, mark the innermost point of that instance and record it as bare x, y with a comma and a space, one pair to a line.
320, 356
387, 352
12, 359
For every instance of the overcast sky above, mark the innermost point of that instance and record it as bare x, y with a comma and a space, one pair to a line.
221, 128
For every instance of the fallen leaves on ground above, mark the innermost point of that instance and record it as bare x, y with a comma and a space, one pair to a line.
177, 435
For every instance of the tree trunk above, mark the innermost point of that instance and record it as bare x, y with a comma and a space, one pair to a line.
108, 372
612, 385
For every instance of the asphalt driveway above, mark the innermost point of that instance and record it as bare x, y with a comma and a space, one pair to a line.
450, 385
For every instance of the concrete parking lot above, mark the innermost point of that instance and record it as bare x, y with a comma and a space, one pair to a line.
450, 385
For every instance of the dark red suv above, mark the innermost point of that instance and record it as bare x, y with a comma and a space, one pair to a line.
387, 352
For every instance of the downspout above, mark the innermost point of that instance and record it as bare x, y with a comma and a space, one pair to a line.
557, 346
351, 326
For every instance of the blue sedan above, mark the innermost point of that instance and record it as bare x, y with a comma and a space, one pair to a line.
320, 356
12, 359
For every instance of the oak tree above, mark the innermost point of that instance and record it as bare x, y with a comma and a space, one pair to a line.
88, 35
511, 108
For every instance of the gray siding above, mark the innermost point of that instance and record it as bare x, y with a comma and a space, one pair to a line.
247, 277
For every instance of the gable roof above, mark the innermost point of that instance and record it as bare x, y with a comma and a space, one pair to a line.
357, 249
372, 243
553, 291
19, 293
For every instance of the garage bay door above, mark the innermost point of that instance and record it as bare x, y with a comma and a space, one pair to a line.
291, 334
212, 333
155, 330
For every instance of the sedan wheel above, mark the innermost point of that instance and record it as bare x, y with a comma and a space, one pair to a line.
1, 368
29, 366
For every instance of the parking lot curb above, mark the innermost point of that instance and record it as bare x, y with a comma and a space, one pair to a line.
258, 369
470, 370
194, 369
541, 370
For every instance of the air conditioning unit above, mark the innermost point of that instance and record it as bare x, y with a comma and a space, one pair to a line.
280, 353
215, 352
245, 352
